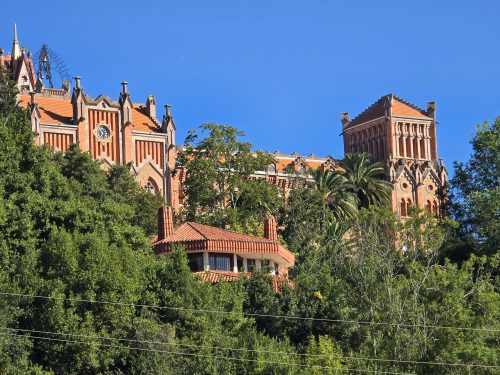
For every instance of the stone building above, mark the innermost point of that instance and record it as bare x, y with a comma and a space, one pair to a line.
394, 131
403, 137
112, 131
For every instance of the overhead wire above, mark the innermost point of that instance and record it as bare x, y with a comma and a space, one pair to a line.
209, 356
293, 317
414, 362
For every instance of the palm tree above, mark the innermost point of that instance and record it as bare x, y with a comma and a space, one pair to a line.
367, 179
337, 193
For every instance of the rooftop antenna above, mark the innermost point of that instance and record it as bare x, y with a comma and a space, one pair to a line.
47, 59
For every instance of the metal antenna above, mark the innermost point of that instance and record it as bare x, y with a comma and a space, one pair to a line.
46, 59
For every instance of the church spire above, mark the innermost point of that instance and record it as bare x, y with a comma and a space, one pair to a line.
16, 50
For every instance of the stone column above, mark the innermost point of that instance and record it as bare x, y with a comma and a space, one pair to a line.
419, 151
235, 263
206, 261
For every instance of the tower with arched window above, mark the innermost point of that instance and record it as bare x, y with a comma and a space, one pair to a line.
403, 137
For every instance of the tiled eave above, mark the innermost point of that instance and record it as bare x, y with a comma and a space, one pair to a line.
226, 246
215, 277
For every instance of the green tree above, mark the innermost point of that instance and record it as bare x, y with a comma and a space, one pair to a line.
476, 191
324, 357
219, 187
367, 180
337, 193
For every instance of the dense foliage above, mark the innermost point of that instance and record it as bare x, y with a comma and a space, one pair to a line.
476, 188
219, 187
370, 293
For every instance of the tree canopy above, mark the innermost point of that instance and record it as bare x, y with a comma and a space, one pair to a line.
82, 293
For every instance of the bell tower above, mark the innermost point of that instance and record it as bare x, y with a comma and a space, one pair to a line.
403, 137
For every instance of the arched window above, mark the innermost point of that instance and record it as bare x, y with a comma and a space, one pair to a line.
408, 206
429, 207
151, 187
302, 171
435, 208
403, 207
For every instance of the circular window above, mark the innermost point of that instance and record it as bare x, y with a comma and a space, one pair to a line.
103, 133
404, 186
430, 187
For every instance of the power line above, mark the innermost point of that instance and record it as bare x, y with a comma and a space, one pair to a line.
206, 355
249, 350
360, 322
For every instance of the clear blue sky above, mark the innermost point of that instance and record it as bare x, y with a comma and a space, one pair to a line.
282, 71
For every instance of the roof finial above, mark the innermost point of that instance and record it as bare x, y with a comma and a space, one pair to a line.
167, 110
15, 32
77, 81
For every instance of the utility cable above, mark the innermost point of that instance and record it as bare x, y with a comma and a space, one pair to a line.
206, 355
345, 321
248, 350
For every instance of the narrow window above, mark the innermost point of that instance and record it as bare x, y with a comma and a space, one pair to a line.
429, 207
435, 209
403, 207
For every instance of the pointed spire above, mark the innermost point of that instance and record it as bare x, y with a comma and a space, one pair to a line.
16, 50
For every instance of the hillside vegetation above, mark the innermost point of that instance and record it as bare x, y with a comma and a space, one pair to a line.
82, 293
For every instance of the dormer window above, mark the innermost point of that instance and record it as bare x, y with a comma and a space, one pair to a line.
271, 168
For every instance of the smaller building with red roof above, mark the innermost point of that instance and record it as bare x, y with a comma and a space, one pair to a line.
219, 254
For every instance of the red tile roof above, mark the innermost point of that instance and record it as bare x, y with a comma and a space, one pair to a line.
215, 277
198, 237
59, 110
52, 110
400, 108
142, 122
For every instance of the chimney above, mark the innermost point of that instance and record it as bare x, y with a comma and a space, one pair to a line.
345, 119
151, 106
165, 223
270, 231
66, 86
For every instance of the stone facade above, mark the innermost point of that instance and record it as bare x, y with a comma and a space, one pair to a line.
111, 131
403, 137
395, 132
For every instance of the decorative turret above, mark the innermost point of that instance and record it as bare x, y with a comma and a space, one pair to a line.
125, 104
345, 119
77, 100
151, 106
168, 125
431, 109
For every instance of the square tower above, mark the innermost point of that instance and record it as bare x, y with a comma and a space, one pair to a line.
403, 137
